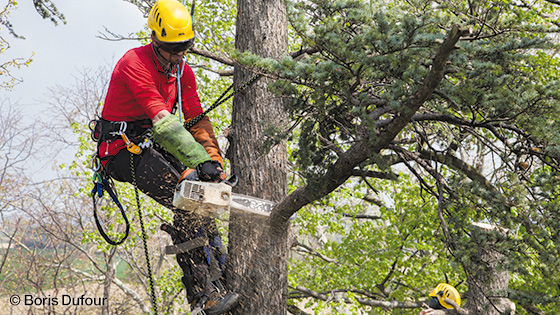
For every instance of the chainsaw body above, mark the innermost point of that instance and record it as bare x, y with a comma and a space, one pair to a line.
213, 199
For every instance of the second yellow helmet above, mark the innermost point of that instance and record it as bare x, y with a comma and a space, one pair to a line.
442, 291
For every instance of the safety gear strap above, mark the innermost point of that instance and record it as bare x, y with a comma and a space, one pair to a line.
172, 136
101, 183
104, 130
213, 267
186, 246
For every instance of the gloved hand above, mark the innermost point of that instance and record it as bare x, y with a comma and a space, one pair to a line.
210, 171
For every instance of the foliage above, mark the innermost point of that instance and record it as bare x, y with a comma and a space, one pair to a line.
395, 254
8, 80
483, 144
483, 147
47, 10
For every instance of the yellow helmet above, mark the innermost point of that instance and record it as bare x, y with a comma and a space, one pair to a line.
442, 291
171, 22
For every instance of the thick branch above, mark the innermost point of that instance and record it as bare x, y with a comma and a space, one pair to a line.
213, 56
340, 171
374, 174
294, 310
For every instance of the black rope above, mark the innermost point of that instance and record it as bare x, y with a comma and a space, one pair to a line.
98, 187
222, 99
144, 237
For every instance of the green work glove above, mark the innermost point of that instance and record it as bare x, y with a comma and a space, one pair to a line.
173, 137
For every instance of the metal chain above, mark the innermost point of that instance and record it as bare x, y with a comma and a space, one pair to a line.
222, 99
144, 236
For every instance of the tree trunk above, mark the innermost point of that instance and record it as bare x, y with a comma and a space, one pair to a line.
257, 268
109, 276
488, 274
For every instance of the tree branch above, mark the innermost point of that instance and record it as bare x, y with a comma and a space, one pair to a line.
374, 174
460, 165
362, 216
368, 302
294, 310
341, 170
311, 251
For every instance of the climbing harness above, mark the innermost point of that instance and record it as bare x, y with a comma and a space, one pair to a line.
104, 130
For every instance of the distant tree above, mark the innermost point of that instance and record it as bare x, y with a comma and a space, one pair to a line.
46, 10
17, 147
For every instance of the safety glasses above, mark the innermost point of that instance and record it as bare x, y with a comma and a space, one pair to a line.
175, 48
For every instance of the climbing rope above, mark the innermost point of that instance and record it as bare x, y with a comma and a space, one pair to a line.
144, 237
102, 183
222, 99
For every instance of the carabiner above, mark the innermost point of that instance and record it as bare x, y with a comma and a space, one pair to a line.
131, 146
95, 163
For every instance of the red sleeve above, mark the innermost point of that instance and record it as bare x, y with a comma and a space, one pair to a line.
190, 99
141, 78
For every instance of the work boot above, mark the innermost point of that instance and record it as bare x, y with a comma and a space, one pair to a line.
216, 303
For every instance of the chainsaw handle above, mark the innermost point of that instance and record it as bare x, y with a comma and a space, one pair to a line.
232, 181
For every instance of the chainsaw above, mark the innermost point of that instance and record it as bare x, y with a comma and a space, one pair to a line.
214, 199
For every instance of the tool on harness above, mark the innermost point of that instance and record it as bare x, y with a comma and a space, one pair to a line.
101, 184
131, 146
105, 130
137, 135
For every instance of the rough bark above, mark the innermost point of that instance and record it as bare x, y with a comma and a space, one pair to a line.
488, 275
258, 255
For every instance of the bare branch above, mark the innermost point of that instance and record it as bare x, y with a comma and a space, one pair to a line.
311, 251
368, 302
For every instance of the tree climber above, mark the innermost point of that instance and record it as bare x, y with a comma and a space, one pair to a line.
147, 86
438, 295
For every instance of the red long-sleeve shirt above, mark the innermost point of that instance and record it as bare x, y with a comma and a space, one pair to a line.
140, 88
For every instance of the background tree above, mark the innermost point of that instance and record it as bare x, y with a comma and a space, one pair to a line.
46, 10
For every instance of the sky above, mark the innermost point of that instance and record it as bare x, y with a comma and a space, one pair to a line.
63, 51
